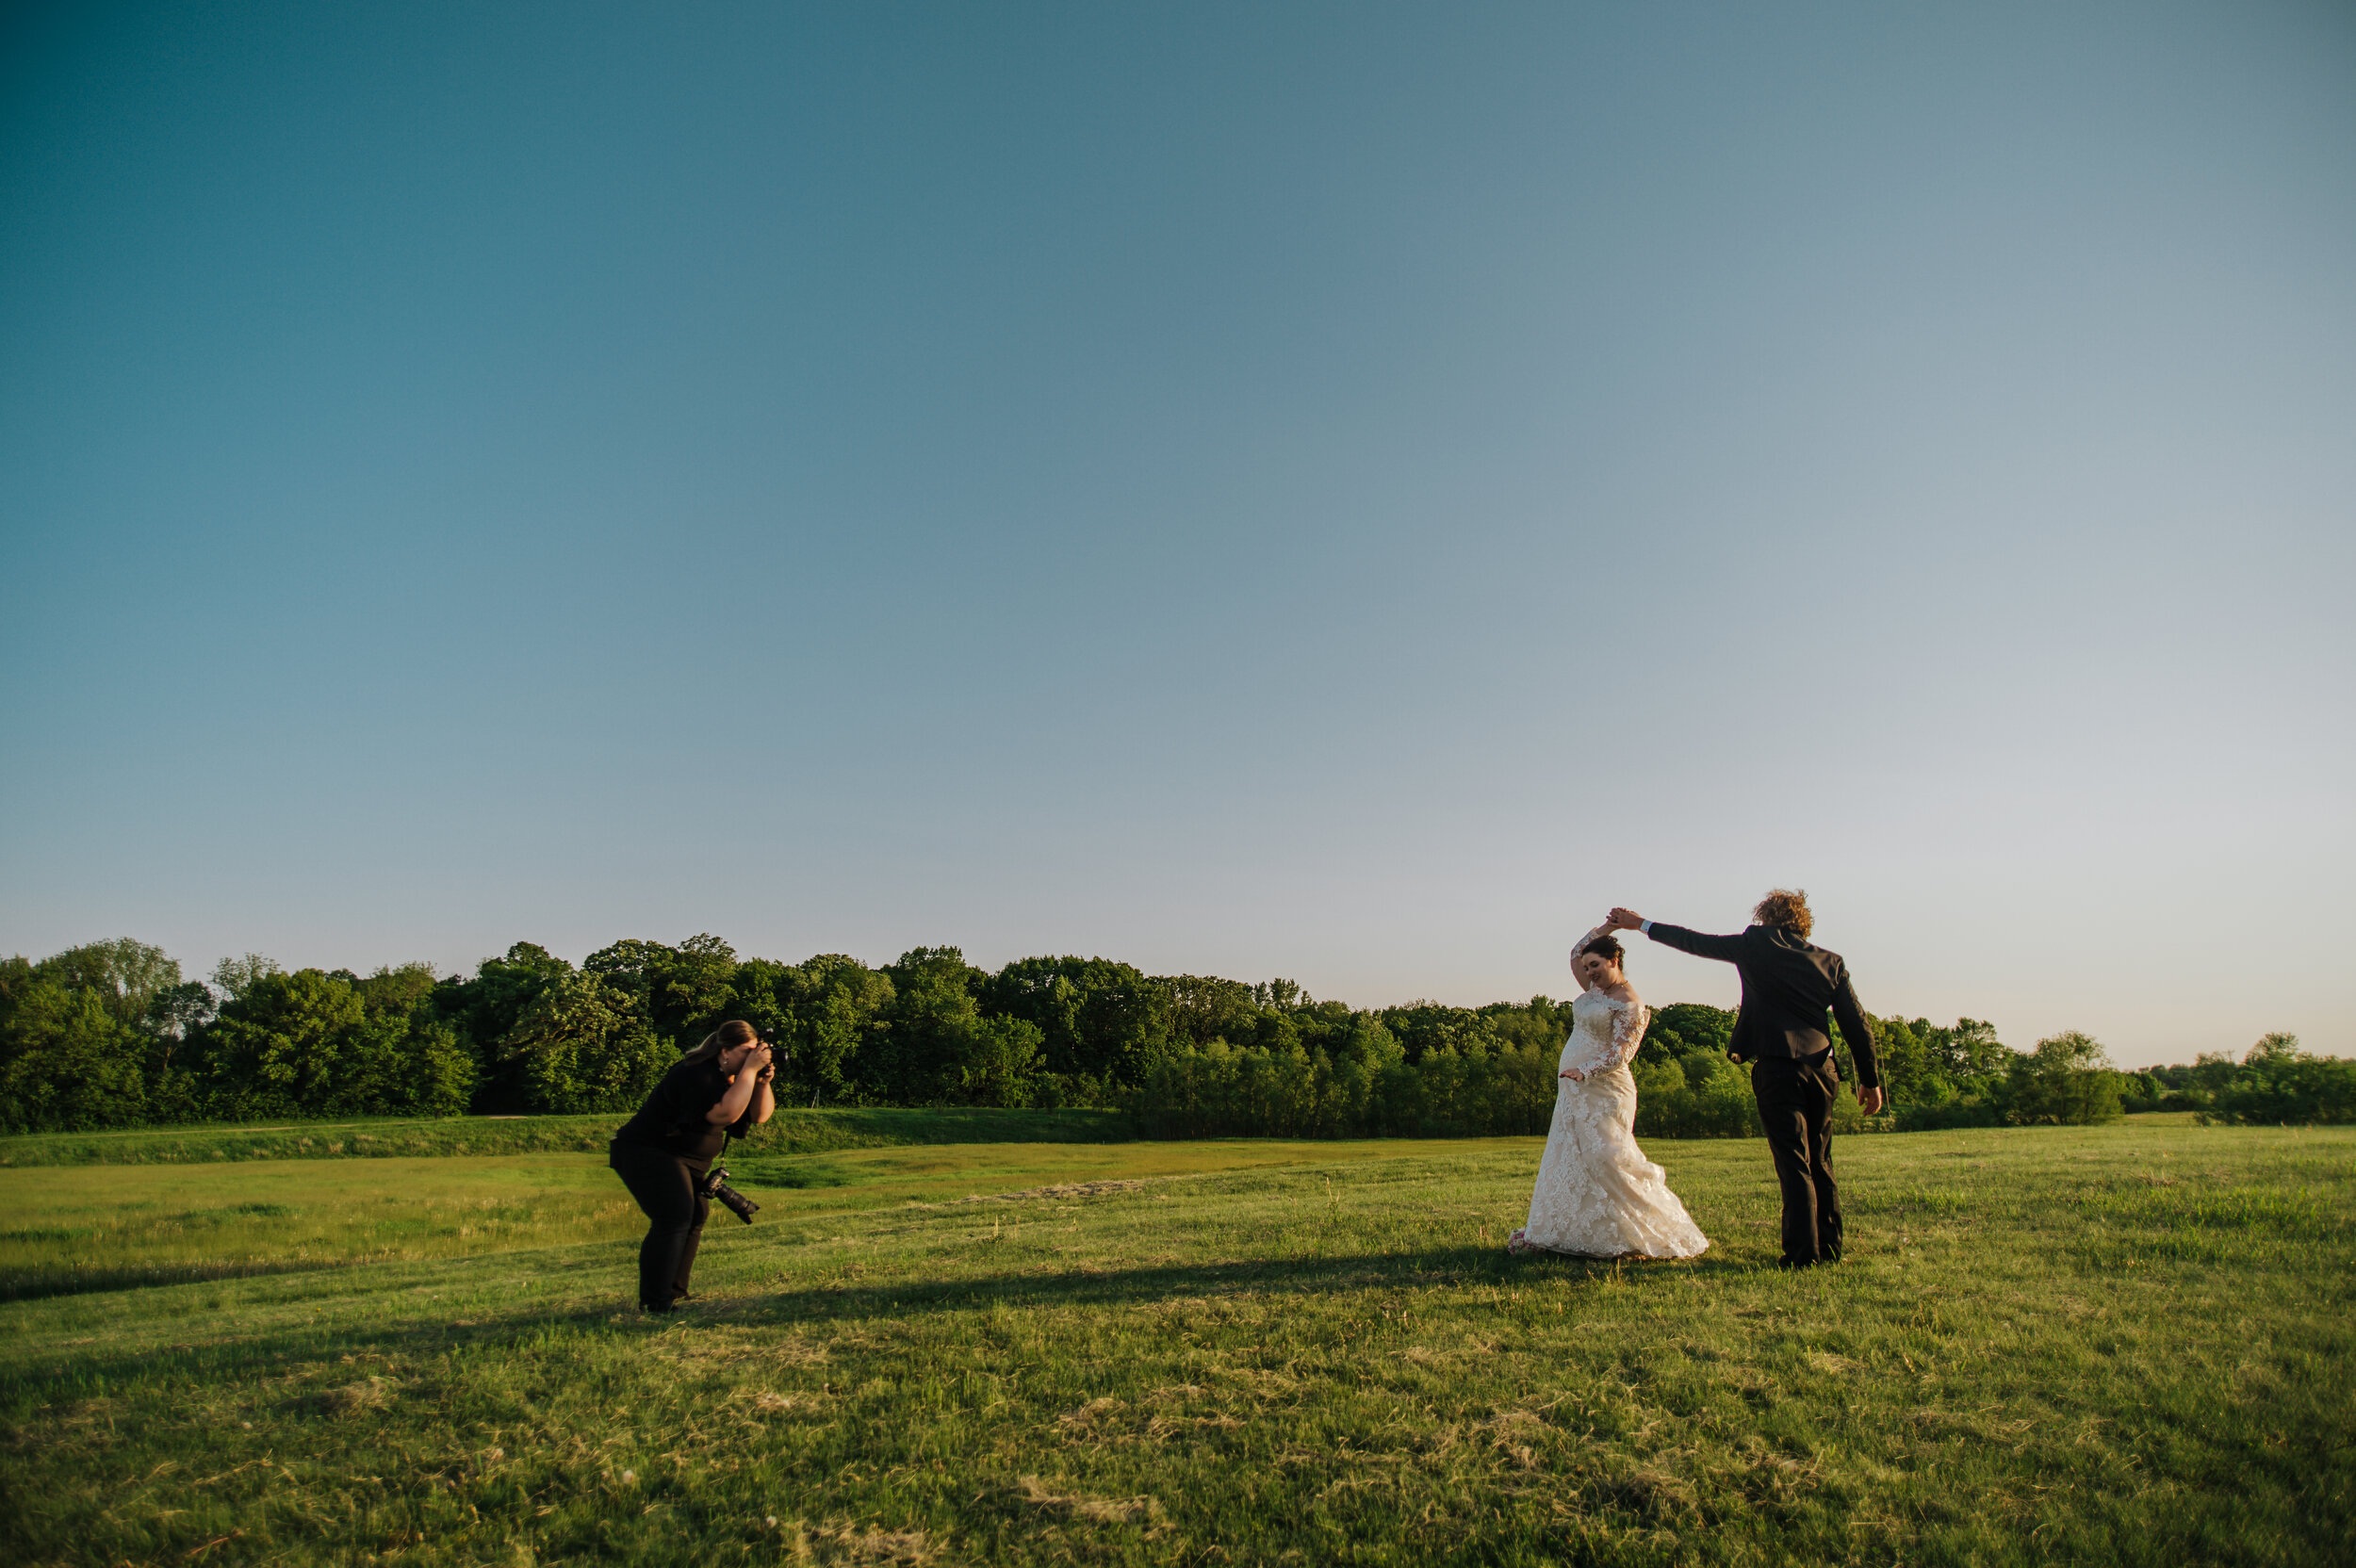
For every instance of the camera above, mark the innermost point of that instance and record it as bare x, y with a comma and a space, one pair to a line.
715, 1188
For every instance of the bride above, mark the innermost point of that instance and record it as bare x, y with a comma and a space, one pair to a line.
1597, 1195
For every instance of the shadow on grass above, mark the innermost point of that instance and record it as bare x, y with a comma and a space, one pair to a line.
34, 1284
1420, 1268
1425, 1267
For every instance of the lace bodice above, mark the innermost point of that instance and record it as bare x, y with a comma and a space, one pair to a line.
1605, 1033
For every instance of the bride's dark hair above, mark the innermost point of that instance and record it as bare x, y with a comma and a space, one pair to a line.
1606, 948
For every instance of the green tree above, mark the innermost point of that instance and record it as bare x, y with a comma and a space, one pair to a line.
2067, 1080
1098, 1019
2280, 1084
438, 1070
485, 1009
1909, 1069
1539, 1024
929, 1045
1363, 1041
175, 1016
67, 1062
583, 1045
277, 1047
139, 986
909, 1057
1686, 1029
2276, 1082
396, 990
684, 991
176, 1012
2273, 1052
1203, 1009
761, 991
1424, 1027
1968, 1050
996, 1062
426, 1069
2213, 1073
125, 975
833, 1003
234, 978
315, 1043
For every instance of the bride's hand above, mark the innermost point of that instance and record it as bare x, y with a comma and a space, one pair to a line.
1573, 1074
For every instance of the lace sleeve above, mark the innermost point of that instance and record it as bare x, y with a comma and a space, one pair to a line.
1628, 1032
1580, 946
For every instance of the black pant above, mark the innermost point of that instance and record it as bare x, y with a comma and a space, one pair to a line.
665, 1186
1796, 1096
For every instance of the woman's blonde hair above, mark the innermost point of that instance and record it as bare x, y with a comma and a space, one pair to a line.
1787, 908
735, 1031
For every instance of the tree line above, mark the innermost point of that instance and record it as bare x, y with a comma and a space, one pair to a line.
113, 1034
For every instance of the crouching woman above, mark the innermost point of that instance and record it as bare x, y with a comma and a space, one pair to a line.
718, 1091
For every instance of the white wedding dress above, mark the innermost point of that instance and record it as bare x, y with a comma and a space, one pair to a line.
1597, 1195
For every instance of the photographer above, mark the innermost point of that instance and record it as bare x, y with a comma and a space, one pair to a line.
718, 1091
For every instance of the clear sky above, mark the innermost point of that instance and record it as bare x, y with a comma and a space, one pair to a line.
1344, 492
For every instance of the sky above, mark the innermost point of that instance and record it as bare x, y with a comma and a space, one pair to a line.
1342, 492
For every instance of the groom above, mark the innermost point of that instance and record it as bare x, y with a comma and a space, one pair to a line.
1787, 986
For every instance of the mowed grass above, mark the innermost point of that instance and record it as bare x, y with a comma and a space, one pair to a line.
2129, 1344
70, 1231
792, 1130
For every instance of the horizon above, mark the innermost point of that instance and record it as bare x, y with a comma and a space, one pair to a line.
1334, 493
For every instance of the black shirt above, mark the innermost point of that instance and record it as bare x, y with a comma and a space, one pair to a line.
675, 1116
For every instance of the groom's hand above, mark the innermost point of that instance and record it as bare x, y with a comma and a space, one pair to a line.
1626, 919
1869, 1101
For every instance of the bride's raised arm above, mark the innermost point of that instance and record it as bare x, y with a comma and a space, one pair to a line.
1580, 946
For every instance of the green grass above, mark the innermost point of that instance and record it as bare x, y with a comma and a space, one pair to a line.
73, 1230
394, 1139
2129, 1344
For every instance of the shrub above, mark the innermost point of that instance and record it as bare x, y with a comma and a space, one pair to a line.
2280, 1084
1697, 1096
2067, 1081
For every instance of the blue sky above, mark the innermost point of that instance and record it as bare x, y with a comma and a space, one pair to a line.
1340, 491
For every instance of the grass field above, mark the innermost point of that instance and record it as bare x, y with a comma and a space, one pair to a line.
2129, 1344
792, 1129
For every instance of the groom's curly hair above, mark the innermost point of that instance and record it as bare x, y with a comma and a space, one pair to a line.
1787, 908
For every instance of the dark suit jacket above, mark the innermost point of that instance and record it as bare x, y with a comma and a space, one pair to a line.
1787, 986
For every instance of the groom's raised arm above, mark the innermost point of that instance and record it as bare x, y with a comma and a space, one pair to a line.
1725, 948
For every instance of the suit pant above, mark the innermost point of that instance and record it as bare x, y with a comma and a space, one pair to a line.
1795, 1100
665, 1186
